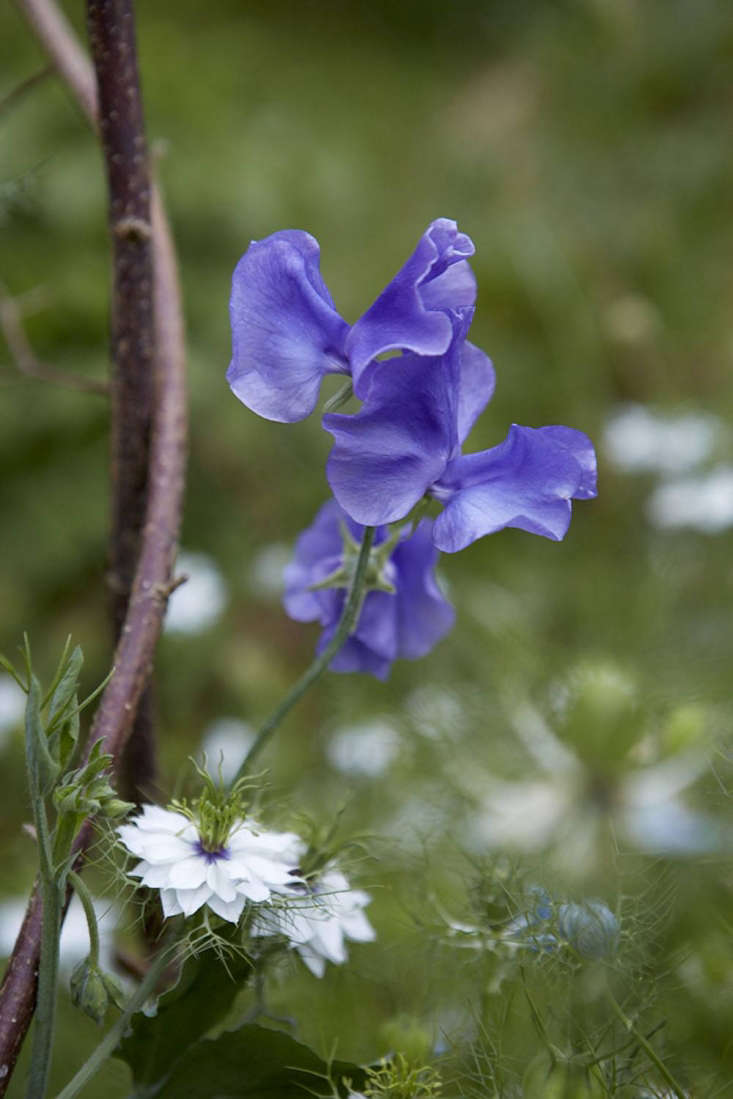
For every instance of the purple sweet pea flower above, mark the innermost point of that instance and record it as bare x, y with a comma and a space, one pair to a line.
287, 334
404, 624
405, 443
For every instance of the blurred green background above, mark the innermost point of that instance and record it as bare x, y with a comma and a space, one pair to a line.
585, 147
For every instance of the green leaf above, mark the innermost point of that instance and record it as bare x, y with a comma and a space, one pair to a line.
66, 689
43, 770
254, 1062
202, 998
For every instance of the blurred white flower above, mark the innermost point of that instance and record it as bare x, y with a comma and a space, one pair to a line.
638, 440
267, 575
365, 749
197, 604
12, 706
569, 806
74, 944
190, 871
436, 712
323, 914
226, 742
704, 503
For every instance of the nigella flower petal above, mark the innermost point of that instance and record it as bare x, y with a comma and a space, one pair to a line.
315, 962
386, 456
228, 910
527, 482
188, 874
154, 818
191, 900
424, 614
170, 904
286, 333
219, 881
357, 927
155, 877
415, 311
253, 890
329, 938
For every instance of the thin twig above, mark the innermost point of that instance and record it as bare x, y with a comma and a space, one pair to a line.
14, 96
134, 654
24, 358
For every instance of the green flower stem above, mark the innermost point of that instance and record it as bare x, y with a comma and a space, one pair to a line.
349, 619
112, 1038
51, 906
86, 900
646, 1046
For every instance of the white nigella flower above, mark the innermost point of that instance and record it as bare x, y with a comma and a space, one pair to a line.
210, 856
322, 915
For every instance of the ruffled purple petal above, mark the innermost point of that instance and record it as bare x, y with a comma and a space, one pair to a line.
476, 387
424, 615
415, 312
527, 482
387, 455
318, 553
373, 646
404, 624
286, 333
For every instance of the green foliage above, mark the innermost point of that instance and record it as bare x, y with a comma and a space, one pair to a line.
200, 1000
253, 1063
400, 1078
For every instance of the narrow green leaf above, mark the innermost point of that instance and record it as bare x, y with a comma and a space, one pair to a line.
65, 692
254, 1062
43, 770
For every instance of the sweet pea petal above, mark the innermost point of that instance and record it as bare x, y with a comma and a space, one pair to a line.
386, 456
415, 312
424, 615
527, 482
355, 656
476, 387
286, 333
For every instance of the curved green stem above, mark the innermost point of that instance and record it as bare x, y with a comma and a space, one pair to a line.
112, 1038
647, 1047
349, 619
91, 916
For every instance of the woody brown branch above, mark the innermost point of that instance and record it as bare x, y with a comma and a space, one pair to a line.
142, 623
111, 27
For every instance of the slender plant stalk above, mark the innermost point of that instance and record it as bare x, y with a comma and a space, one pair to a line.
135, 650
112, 1038
42, 1050
84, 896
347, 622
647, 1047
